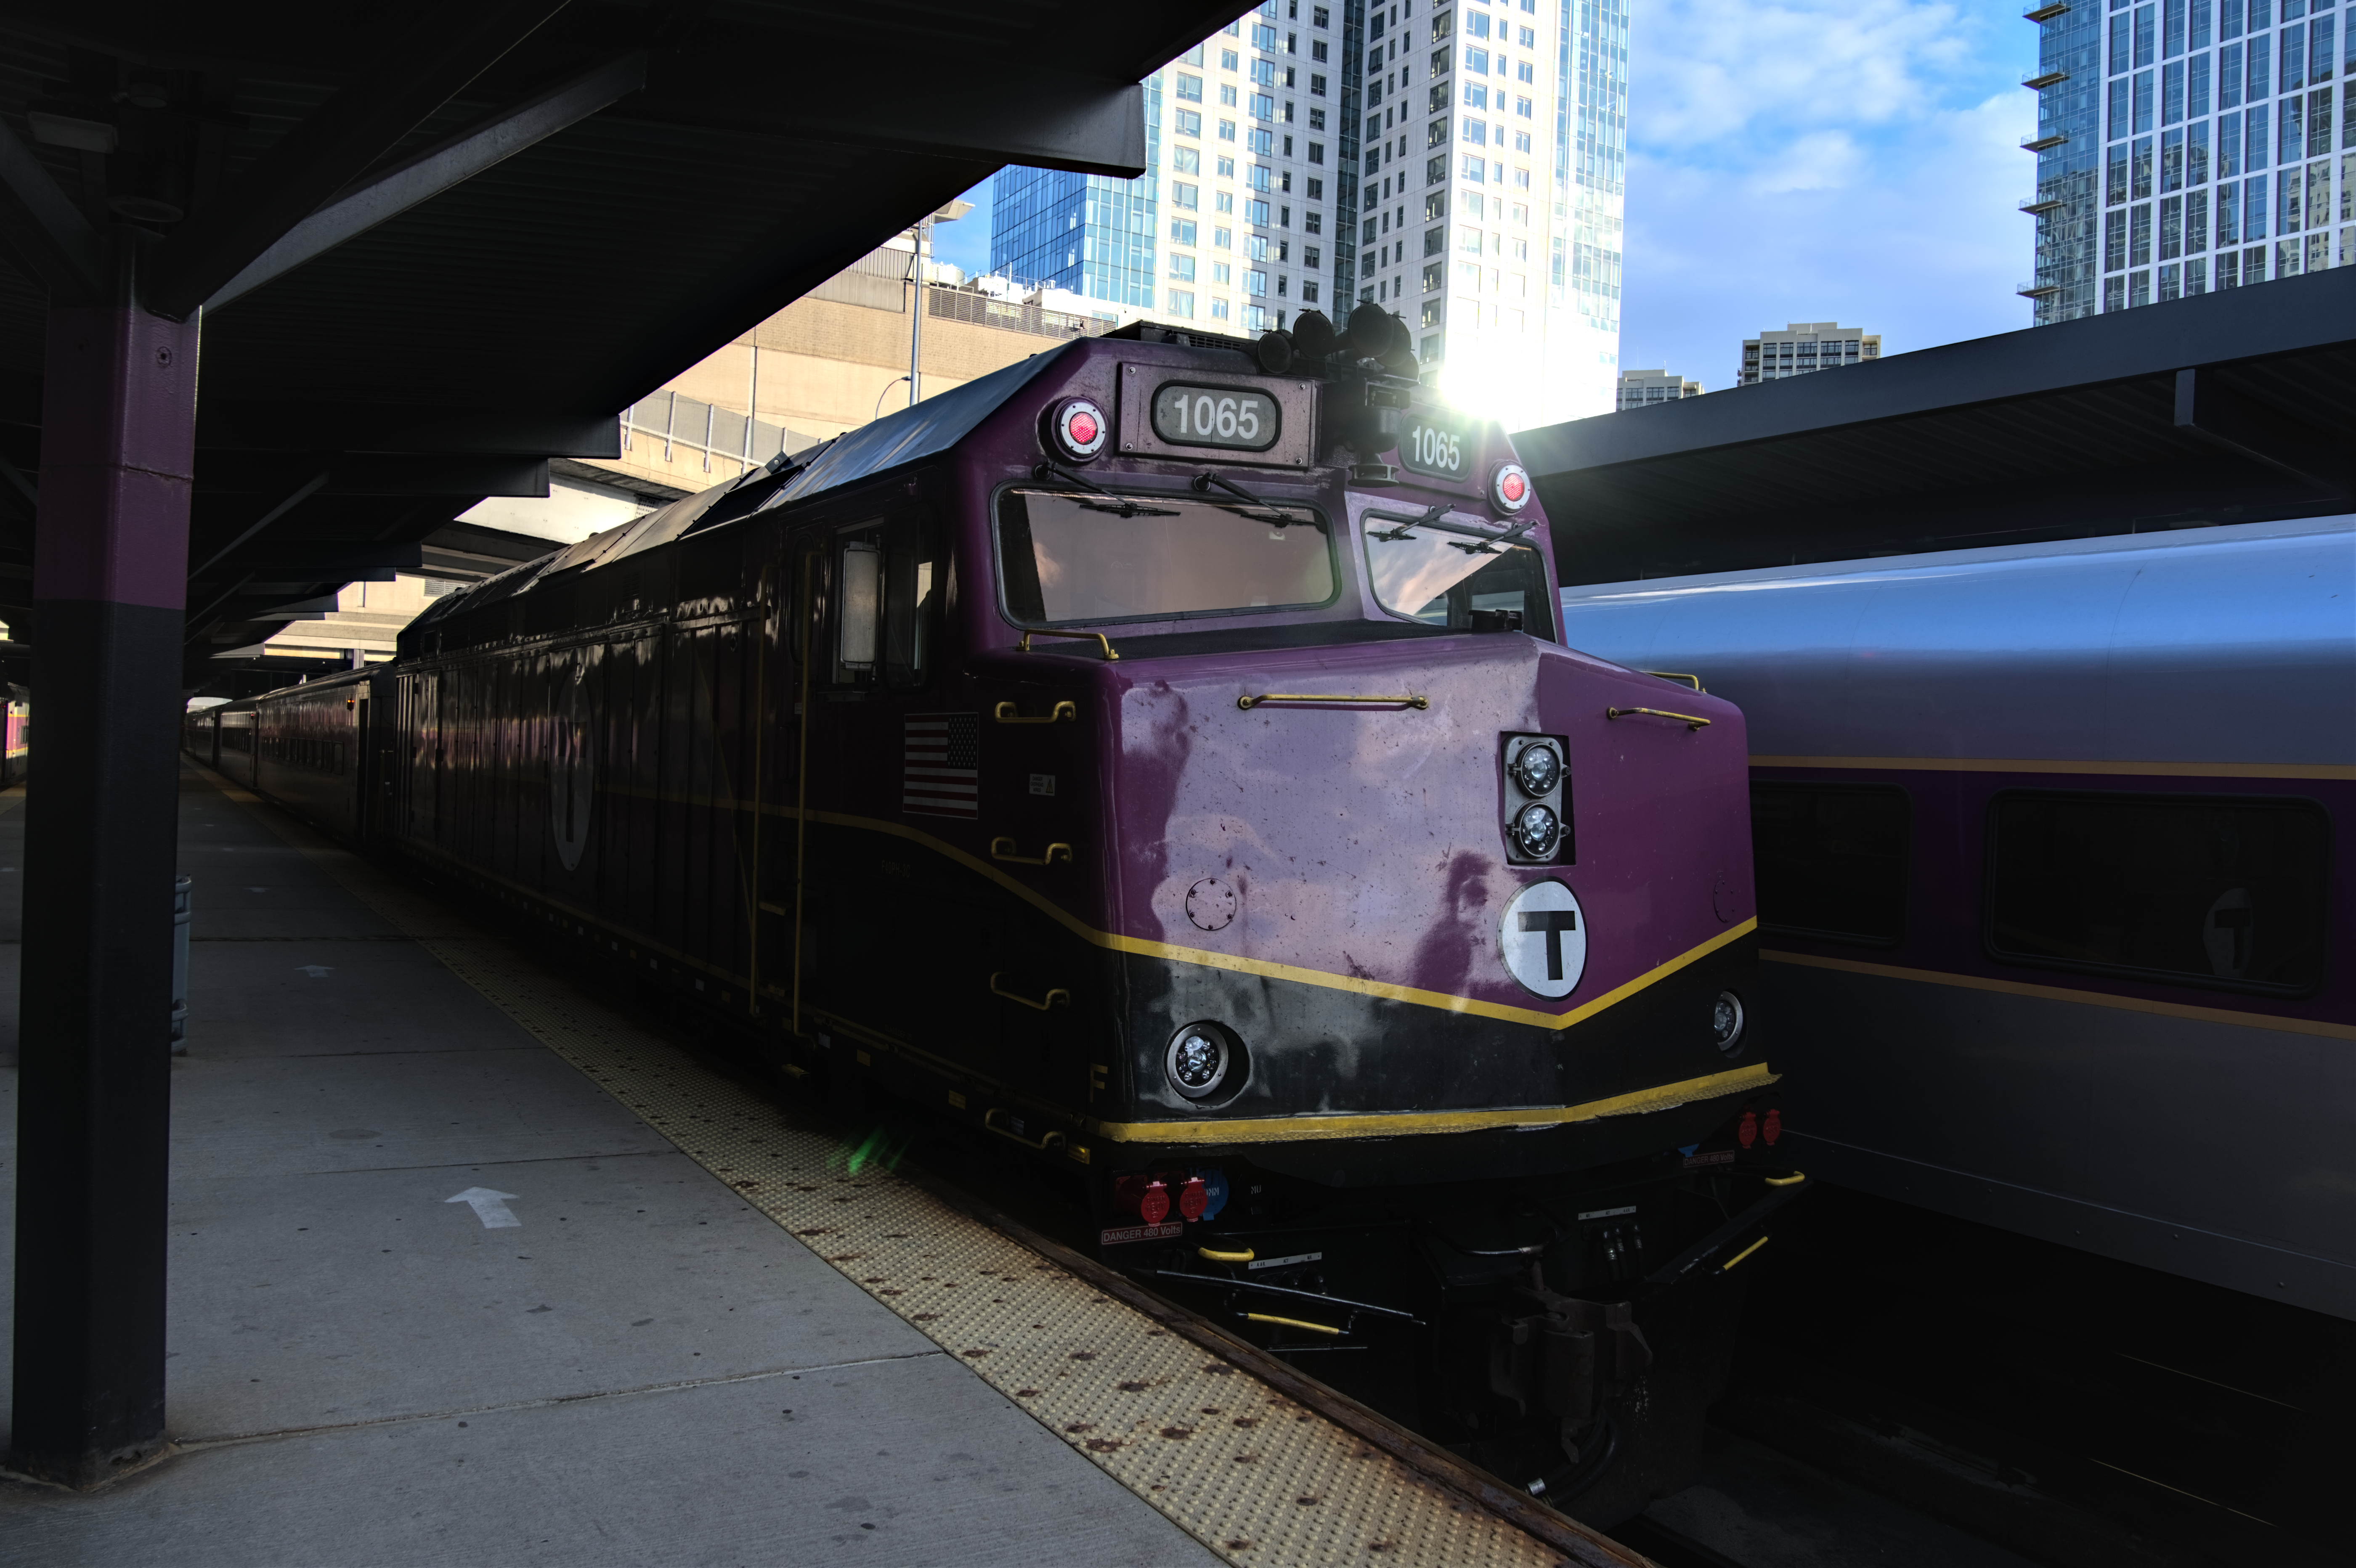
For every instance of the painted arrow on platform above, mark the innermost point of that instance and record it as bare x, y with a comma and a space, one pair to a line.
490, 1208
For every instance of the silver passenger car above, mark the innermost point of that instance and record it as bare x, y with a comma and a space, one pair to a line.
2054, 861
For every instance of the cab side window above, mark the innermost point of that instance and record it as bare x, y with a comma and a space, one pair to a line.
873, 592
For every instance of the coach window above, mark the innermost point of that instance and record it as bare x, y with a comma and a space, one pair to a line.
1831, 860
2224, 892
1068, 557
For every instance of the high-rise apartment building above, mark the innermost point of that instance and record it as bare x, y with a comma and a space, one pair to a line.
1802, 346
2188, 144
1638, 387
1462, 163
1241, 220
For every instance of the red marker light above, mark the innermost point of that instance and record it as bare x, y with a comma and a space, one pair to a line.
1154, 1206
1747, 1132
1772, 1128
1194, 1197
1077, 429
1509, 486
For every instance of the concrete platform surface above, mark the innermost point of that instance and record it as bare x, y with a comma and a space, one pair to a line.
640, 1368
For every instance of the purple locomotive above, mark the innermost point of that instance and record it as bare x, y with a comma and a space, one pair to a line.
1160, 756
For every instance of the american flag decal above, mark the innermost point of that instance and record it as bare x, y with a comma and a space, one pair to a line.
940, 773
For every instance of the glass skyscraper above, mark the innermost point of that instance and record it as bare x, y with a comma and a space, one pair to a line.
1241, 220
2189, 144
1462, 164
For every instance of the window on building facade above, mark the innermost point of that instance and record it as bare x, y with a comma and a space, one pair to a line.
1528, 40
1183, 195
1316, 193
1476, 169
1264, 36
1320, 17
1316, 87
1219, 309
1226, 171
1226, 130
1193, 56
1475, 61
1475, 96
1181, 231
1182, 267
1255, 283
1222, 239
1181, 301
1313, 222
1190, 88
1188, 122
1228, 59
1221, 272
1260, 177
1312, 257
1262, 143
1256, 212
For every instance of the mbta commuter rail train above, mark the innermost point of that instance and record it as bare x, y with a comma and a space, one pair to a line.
1160, 756
2054, 856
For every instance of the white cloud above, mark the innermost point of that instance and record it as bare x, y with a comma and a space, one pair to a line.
1804, 163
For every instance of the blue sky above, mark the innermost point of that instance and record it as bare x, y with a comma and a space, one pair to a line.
1854, 161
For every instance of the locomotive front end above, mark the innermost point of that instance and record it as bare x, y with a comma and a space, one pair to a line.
1419, 947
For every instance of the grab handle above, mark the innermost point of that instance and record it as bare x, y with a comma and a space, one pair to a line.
1003, 849
1689, 720
1209, 1255
1102, 641
1050, 1139
1007, 714
1290, 1323
1055, 997
1401, 700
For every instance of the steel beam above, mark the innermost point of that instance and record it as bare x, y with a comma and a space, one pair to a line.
1042, 119
118, 459
42, 228
409, 429
452, 163
442, 50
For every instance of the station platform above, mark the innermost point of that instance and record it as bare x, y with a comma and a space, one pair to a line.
468, 1267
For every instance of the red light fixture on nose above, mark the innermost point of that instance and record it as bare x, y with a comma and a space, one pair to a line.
1076, 428
1509, 487
1771, 1128
1747, 1132
1154, 1206
1193, 1199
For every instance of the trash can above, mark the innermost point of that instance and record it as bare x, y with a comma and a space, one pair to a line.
180, 886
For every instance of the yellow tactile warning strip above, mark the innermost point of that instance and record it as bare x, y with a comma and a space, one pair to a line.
1242, 1465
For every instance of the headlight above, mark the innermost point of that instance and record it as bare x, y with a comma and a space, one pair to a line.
1535, 829
1538, 768
1198, 1060
1726, 1021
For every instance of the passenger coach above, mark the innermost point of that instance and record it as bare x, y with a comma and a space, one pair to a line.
2054, 857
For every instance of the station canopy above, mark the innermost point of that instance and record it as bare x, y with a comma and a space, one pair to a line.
2228, 407
435, 246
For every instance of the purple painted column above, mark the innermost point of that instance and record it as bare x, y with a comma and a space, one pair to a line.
118, 442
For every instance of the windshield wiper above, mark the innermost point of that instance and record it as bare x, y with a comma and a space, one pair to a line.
1280, 514
1430, 518
1127, 506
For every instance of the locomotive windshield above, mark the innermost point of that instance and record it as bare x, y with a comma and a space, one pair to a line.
1441, 578
1091, 556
